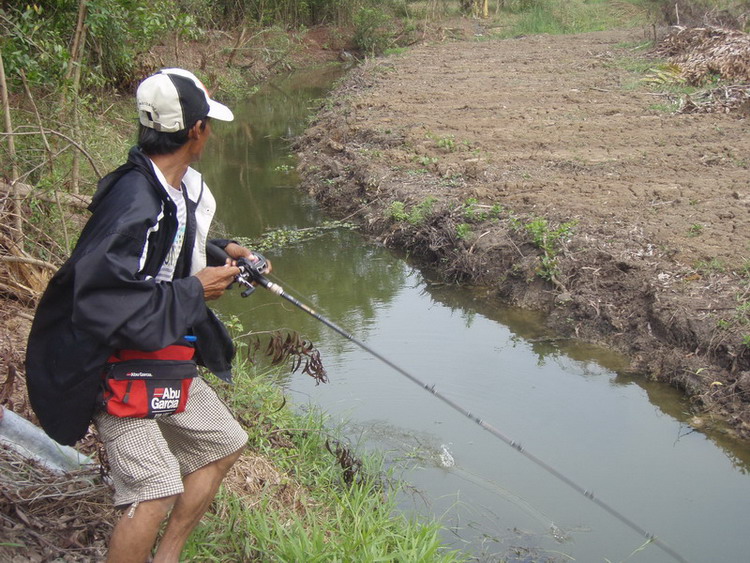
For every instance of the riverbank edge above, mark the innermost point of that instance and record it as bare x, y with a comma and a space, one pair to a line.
661, 330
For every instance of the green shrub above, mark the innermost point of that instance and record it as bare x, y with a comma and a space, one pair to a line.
373, 30
37, 39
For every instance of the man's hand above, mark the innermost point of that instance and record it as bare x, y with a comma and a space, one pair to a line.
236, 251
215, 280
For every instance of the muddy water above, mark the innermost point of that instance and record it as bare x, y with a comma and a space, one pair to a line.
574, 406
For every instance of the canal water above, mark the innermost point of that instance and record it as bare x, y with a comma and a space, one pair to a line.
627, 441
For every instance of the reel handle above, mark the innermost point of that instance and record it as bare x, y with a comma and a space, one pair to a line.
250, 270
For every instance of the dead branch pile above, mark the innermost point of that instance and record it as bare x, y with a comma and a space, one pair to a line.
704, 53
718, 100
48, 517
22, 277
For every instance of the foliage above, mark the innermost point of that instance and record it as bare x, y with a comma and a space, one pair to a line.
35, 43
282, 238
463, 231
473, 212
38, 37
373, 30
292, 14
422, 211
447, 142
417, 215
397, 211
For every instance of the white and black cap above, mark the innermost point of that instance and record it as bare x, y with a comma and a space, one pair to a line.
173, 99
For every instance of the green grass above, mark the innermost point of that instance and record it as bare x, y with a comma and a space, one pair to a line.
317, 511
557, 17
357, 527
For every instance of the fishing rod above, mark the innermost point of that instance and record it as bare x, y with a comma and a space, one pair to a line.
252, 272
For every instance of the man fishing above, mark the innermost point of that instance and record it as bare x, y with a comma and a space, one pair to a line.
124, 322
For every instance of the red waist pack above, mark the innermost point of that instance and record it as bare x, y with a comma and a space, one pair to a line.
141, 384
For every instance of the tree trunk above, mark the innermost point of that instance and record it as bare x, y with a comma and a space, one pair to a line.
17, 222
78, 39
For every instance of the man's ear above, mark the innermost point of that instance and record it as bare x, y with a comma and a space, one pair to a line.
196, 129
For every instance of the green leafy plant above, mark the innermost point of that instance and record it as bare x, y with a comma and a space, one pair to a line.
38, 37
463, 231
549, 240
473, 212
313, 499
427, 160
397, 211
415, 216
448, 143
420, 212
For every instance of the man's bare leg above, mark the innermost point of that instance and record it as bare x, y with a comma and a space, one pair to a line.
134, 537
200, 489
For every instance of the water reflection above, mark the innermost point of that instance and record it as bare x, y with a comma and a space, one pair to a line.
249, 162
349, 288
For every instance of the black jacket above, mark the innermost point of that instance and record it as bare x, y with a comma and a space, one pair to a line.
105, 298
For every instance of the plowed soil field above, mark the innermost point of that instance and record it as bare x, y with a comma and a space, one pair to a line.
544, 169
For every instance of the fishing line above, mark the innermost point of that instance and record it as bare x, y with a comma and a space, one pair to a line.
252, 272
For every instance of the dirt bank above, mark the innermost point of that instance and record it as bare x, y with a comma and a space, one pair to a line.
540, 168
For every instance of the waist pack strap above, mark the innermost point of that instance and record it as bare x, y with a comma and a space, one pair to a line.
180, 352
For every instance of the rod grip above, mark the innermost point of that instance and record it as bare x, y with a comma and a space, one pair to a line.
215, 254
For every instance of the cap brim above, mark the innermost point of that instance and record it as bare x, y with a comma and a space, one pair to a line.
219, 111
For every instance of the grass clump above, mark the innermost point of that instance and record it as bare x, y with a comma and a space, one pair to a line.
416, 215
550, 240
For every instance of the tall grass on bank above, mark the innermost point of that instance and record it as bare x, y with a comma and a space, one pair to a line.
557, 17
300, 495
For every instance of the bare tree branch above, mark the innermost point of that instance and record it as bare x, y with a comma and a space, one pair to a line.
18, 233
29, 260
67, 138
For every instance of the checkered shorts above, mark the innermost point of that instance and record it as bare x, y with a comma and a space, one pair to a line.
149, 457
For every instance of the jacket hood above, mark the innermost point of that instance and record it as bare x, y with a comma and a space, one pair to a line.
136, 160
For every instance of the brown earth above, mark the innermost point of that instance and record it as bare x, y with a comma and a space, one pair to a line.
503, 132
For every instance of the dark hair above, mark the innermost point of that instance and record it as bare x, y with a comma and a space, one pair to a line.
153, 142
